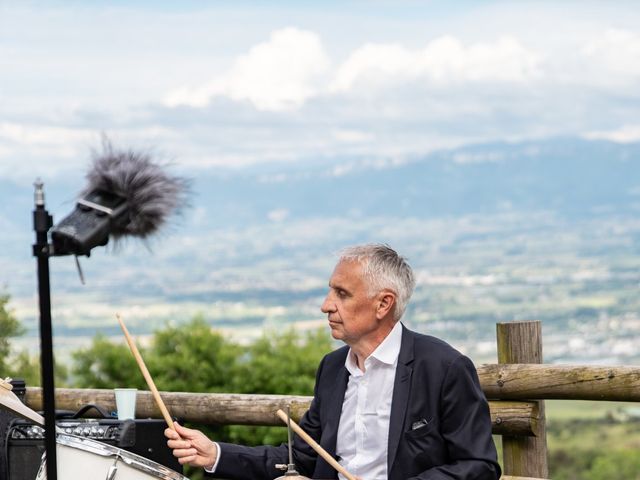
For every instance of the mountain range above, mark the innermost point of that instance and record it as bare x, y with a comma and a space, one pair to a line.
254, 247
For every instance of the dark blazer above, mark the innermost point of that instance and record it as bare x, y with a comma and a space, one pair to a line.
440, 427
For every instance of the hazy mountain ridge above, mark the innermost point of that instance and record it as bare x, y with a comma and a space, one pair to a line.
567, 177
564, 175
545, 230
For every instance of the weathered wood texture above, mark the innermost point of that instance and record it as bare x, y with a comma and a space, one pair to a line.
499, 381
508, 417
521, 342
567, 382
514, 417
204, 408
511, 477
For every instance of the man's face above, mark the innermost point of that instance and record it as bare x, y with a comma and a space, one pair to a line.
350, 310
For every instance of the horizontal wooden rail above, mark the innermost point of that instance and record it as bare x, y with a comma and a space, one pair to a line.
508, 417
513, 417
511, 477
205, 408
567, 382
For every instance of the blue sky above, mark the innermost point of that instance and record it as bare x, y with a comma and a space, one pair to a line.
237, 84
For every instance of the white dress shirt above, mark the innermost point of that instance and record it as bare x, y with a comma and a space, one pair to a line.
363, 433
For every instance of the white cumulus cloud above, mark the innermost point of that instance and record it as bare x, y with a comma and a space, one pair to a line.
292, 67
279, 74
444, 60
618, 51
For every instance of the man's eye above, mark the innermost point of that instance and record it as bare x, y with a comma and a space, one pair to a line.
342, 293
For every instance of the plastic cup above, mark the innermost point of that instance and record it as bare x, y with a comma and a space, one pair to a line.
126, 402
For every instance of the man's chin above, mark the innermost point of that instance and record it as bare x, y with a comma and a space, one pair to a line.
336, 333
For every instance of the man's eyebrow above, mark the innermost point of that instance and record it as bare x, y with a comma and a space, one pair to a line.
337, 286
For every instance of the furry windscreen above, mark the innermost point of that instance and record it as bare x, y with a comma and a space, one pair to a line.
151, 194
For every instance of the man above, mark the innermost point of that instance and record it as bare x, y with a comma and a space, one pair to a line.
392, 404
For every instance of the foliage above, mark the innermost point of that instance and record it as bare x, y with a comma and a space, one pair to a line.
567, 464
277, 363
283, 363
193, 358
9, 327
27, 367
594, 448
619, 464
105, 365
601, 464
20, 364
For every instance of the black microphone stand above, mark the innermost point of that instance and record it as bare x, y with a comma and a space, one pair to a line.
42, 222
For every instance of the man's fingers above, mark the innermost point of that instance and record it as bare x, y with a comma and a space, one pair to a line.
178, 444
169, 433
184, 460
182, 431
189, 453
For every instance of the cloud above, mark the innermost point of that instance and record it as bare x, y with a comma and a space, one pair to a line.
336, 85
278, 215
280, 74
625, 134
58, 148
353, 136
617, 51
40, 134
29, 148
443, 61
292, 67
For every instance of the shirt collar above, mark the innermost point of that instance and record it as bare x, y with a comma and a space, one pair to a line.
387, 352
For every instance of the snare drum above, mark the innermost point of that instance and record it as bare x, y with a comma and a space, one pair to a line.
80, 457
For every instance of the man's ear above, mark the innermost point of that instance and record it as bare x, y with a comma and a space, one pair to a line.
386, 302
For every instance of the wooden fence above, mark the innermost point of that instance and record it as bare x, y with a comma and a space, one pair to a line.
516, 388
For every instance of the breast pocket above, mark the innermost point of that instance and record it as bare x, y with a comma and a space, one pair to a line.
426, 445
420, 427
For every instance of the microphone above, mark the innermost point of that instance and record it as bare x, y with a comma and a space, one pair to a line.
127, 194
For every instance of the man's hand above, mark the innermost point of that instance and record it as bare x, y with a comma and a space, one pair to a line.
191, 446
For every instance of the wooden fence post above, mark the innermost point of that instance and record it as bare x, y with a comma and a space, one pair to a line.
521, 342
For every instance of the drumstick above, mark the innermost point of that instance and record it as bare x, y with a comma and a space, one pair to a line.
313, 444
146, 374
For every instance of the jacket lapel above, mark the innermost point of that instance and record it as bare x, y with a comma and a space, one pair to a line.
401, 390
333, 410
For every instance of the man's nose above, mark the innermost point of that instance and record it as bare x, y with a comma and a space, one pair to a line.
327, 306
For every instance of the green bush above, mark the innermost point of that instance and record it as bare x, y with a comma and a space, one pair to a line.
623, 464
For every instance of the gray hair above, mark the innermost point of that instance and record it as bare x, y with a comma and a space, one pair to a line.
382, 268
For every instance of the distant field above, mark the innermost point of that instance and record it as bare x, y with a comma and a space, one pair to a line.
563, 410
587, 439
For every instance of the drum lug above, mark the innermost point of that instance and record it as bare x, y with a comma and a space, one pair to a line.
113, 469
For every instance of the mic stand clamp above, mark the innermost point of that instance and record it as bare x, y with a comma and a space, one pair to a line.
290, 469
